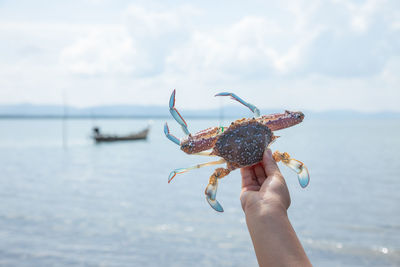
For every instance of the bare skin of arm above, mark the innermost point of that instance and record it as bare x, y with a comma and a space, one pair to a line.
265, 199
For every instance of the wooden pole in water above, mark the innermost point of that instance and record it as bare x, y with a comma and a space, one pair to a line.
64, 122
221, 112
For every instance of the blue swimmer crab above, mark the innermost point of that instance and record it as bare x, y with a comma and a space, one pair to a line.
240, 144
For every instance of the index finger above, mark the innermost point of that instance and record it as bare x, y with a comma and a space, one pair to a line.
270, 166
248, 176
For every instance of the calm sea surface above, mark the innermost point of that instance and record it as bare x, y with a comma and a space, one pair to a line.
111, 205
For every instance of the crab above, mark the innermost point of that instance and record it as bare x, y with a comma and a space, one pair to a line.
240, 144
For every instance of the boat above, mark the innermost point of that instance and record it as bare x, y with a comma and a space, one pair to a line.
99, 137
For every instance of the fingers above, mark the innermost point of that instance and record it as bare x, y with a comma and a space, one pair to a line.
255, 176
248, 176
260, 173
269, 164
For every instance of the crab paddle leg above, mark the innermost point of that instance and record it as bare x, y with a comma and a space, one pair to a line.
177, 116
298, 166
198, 166
253, 108
211, 189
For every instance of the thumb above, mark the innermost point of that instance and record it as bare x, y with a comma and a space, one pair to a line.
269, 164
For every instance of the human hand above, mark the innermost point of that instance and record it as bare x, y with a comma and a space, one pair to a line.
264, 189
265, 199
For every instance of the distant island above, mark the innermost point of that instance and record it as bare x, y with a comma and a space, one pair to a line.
136, 111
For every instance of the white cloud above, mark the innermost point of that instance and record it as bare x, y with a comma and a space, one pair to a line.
362, 13
307, 54
145, 23
138, 46
103, 51
253, 47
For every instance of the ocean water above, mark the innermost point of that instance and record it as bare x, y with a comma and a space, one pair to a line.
111, 205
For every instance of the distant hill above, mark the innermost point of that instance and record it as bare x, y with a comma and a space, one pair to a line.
134, 111
29, 110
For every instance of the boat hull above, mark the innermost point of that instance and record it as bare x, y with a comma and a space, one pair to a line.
142, 135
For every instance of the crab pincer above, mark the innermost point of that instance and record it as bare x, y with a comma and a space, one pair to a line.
175, 113
170, 136
253, 108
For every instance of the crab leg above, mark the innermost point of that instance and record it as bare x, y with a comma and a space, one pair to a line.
298, 166
182, 170
177, 116
170, 136
253, 108
205, 153
211, 189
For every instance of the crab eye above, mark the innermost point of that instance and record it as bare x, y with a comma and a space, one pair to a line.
299, 115
187, 146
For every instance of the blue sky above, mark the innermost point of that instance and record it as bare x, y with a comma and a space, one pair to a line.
314, 55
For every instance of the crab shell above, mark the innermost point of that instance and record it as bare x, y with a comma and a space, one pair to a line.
243, 143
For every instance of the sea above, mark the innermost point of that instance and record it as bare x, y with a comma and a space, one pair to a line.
67, 201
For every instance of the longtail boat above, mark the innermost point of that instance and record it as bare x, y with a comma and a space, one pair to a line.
99, 137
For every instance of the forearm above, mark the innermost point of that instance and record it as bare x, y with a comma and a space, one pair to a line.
274, 239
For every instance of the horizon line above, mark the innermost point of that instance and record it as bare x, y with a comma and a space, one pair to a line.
361, 112
315, 115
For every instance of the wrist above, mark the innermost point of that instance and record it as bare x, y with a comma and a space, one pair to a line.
265, 208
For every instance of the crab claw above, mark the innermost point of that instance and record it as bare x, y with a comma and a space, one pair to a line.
211, 191
253, 108
170, 136
177, 116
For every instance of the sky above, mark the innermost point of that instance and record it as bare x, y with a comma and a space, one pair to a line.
306, 55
